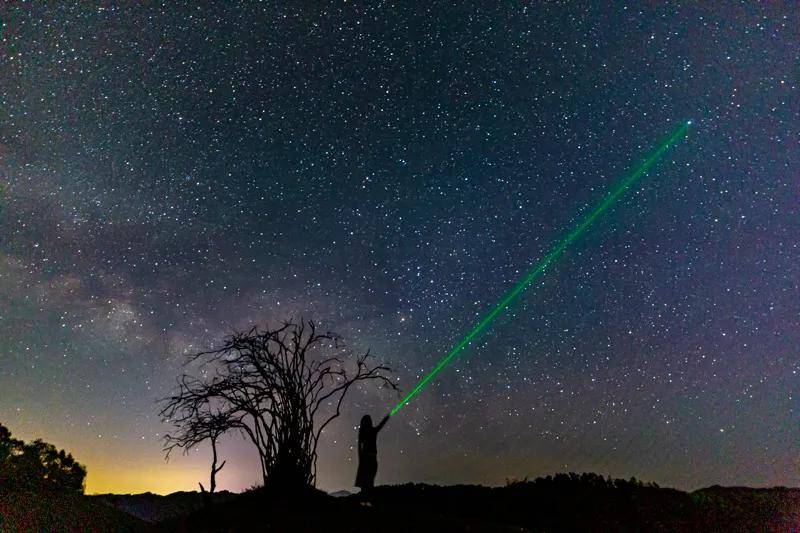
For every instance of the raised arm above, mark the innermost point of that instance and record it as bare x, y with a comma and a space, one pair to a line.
382, 423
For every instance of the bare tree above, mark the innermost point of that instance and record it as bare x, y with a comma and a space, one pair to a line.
196, 423
280, 388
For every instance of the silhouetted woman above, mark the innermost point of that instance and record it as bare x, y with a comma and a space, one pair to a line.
368, 452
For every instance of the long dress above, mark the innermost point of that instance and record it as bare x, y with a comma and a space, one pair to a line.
368, 456
367, 468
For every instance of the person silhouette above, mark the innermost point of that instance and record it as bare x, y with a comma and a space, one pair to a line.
368, 452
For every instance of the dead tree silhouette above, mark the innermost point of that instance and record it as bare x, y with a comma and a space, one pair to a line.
202, 424
280, 388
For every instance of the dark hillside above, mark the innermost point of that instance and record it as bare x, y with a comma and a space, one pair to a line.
562, 503
27, 510
776, 509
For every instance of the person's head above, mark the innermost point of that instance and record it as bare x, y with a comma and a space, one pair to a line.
366, 425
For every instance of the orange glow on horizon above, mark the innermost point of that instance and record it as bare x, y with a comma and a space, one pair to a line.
131, 479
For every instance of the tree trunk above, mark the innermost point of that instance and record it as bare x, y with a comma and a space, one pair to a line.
214, 467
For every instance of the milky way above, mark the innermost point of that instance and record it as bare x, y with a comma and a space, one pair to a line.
171, 173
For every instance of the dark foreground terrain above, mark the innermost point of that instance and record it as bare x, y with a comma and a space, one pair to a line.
26, 510
562, 503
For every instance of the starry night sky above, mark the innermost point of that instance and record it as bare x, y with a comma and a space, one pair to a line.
172, 172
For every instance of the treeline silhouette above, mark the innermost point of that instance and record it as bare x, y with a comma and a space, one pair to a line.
37, 465
41, 489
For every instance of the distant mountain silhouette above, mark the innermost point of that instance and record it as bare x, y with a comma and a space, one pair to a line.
156, 508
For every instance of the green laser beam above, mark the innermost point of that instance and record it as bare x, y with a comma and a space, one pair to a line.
517, 289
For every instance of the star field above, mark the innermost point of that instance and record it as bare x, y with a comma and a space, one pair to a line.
172, 171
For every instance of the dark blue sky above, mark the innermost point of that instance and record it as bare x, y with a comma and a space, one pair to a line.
171, 172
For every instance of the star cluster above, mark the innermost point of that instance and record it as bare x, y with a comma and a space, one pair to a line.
171, 171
